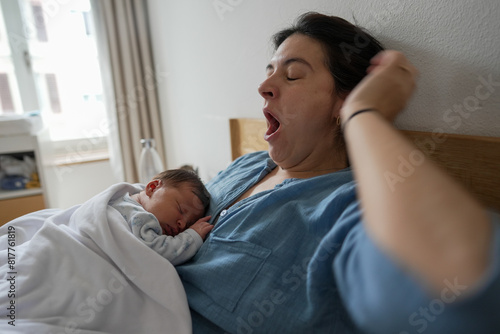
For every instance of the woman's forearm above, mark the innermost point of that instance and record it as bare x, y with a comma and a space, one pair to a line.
412, 209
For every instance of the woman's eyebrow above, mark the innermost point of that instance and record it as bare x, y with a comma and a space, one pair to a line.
297, 60
290, 61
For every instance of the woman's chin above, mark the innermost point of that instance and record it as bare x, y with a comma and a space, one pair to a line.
278, 155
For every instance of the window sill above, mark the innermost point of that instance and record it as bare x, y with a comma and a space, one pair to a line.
77, 159
76, 151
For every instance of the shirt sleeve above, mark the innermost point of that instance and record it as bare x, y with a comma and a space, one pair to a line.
177, 249
382, 297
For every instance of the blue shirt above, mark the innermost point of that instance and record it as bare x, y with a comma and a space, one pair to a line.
296, 259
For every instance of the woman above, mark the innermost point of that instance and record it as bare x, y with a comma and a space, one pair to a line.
299, 247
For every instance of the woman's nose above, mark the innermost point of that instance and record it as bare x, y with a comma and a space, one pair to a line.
267, 90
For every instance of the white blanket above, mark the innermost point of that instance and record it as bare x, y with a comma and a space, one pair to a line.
81, 270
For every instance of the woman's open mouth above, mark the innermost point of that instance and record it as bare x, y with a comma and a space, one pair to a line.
273, 125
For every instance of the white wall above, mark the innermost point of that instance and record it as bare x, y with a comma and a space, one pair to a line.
214, 55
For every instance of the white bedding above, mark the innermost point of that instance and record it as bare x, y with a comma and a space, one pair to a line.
81, 270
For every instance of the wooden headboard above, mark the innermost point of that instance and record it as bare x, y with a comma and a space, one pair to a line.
472, 160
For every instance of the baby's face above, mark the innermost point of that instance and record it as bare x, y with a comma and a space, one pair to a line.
176, 208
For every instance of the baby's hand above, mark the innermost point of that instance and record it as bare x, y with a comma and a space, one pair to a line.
202, 227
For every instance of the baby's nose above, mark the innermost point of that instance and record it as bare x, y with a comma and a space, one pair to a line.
181, 224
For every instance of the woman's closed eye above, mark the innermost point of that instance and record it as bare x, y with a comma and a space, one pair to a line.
294, 75
294, 72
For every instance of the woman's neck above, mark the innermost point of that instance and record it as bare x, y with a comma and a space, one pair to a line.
307, 170
323, 159
298, 173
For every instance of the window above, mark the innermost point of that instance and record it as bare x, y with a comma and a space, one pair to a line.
10, 102
57, 45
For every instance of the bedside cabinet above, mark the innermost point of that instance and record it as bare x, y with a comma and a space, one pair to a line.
15, 203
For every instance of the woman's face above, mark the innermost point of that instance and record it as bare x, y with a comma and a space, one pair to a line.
300, 104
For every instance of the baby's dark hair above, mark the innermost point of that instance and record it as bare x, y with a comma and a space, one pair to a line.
176, 177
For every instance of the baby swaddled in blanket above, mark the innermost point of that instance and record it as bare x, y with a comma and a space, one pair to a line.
100, 267
167, 214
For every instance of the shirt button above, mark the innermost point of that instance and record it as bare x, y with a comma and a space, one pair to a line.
223, 213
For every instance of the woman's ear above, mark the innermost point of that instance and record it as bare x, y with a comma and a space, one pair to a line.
151, 187
337, 107
340, 103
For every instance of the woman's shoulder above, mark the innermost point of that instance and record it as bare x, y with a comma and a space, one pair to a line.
252, 157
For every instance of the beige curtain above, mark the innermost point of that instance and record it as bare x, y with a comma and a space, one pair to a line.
124, 39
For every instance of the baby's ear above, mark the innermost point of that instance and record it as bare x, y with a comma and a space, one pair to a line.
152, 186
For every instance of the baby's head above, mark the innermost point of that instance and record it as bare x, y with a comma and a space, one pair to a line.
177, 198
177, 177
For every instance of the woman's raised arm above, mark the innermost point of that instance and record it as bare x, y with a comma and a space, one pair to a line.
420, 217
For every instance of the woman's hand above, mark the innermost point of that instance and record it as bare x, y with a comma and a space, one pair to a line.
387, 87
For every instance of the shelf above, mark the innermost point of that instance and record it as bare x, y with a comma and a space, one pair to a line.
22, 200
7, 194
17, 144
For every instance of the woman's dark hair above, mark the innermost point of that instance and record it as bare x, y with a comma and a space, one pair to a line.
176, 177
348, 50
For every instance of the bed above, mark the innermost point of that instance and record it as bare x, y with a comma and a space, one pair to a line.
82, 270
474, 161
